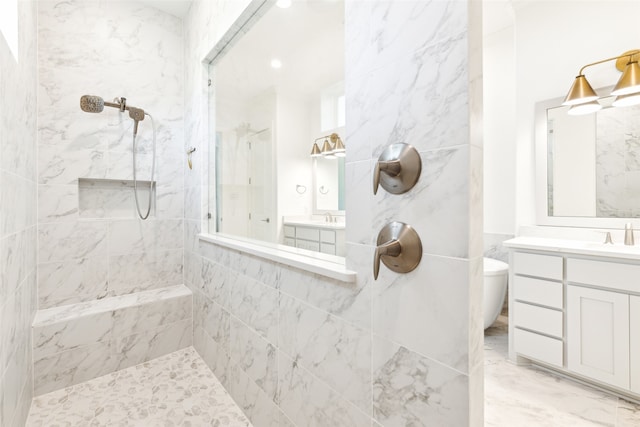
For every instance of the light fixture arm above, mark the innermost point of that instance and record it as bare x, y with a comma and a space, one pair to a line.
629, 54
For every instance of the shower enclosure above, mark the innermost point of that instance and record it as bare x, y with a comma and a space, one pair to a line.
245, 190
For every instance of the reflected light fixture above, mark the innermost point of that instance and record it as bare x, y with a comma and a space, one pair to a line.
582, 93
332, 147
327, 149
627, 100
315, 151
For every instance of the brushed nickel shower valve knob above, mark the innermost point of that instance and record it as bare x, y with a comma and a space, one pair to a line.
397, 169
398, 247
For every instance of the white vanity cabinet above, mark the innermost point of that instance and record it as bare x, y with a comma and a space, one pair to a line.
537, 308
598, 334
577, 311
326, 239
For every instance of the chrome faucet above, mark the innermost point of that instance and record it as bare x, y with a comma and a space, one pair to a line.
328, 217
628, 234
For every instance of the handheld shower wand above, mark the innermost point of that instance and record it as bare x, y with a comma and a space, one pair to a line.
95, 104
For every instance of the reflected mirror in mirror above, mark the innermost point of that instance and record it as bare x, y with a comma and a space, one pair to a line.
277, 90
593, 162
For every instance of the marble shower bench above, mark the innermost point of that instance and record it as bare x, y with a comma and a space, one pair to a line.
79, 342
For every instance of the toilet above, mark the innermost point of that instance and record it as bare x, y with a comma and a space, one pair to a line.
496, 274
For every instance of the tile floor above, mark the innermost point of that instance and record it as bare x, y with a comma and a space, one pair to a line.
180, 390
174, 390
531, 397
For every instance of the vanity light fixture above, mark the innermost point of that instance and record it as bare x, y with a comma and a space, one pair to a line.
583, 99
586, 108
283, 4
332, 147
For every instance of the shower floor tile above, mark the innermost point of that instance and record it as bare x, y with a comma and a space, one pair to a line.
174, 390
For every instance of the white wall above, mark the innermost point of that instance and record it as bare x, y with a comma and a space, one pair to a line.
552, 41
499, 129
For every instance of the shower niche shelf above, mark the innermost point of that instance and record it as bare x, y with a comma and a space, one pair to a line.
113, 198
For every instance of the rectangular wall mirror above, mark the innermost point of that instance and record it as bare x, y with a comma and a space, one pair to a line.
588, 166
277, 91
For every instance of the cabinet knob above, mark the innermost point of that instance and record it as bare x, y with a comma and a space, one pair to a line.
397, 169
398, 247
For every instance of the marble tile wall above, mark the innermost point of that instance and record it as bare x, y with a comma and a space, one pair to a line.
79, 342
91, 243
297, 349
18, 191
618, 163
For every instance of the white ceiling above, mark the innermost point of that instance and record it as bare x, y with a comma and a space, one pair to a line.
307, 37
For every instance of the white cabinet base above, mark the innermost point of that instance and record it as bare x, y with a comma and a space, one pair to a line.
634, 335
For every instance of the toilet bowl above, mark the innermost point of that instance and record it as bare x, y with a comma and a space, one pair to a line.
496, 274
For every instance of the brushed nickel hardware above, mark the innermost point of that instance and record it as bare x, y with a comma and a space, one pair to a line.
397, 169
189, 153
398, 247
266, 220
95, 104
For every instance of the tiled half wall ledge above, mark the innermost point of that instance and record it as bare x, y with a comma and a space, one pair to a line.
79, 342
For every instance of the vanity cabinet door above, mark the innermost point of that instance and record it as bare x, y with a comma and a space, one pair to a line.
598, 335
634, 334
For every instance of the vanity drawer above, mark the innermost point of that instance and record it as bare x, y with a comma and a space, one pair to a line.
310, 246
539, 347
289, 231
539, 319
547, 266
328, 236
307, 233
328, 248
603, 274
538, 291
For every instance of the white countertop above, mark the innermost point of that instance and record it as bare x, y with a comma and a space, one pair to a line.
574, 247
315, 224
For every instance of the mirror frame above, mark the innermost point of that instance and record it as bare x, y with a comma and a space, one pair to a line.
541, 182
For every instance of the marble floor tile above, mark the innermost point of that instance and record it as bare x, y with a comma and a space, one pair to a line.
530, 396
174, 390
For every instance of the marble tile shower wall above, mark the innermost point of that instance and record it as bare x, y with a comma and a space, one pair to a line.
91, 243
297, 349
18, 190
110, 286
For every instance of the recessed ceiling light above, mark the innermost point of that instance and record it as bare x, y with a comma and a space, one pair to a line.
276, 63
283, 3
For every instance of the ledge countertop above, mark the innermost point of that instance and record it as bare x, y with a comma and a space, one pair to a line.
580, 247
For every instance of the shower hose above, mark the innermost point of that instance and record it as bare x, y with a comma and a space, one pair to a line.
153, 167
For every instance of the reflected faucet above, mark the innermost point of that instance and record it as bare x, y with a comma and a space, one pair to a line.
628, 235
328, 217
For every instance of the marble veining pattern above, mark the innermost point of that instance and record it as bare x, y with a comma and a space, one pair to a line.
174, 390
